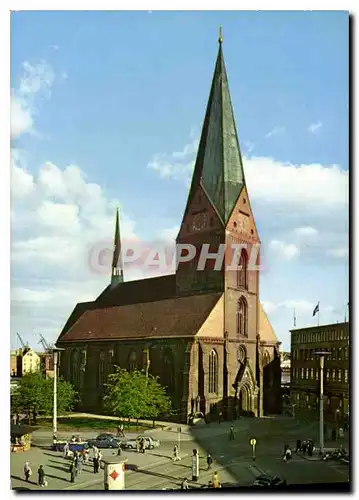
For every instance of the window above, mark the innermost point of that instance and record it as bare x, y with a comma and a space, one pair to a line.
345, 376
341, 334
213, 372
334, 354
101, 369
327, 374
307, 398
312, 373
307, 373
302, 373
312, 354
298, 396
132, 361
333, 374
316, 374
340, 353
339, 375
242, 318
242, 278
345, 353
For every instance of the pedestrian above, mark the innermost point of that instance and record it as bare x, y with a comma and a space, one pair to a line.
175, 454
231, 433
138, 445
209, 461
215, 480
66, 450
41, 476
220, 417
96, 464
27, 471
143, 445
334, 434
78, 465
73, 439
122, 432
72, 471
184, 484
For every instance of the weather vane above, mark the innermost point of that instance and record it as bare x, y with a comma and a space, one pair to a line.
220, 38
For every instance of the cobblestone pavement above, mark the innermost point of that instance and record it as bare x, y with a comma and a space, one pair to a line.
232, 459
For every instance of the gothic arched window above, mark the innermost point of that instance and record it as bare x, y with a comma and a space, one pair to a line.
242, 272
132, 362
213, 372
101, 369
242, 316
168, 372
75, 375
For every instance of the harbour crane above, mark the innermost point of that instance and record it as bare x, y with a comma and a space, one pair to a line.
24, 346
47, 347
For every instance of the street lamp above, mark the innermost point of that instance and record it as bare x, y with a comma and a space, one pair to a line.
55, 351
321, 355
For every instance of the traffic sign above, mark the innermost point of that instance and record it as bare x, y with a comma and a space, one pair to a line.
253, 442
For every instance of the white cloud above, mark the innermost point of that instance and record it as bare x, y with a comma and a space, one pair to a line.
315, 127
169, 234
284, 250
177, 165
275, 131
300, 305
59, 216
339, 253
305, 231
35, 81
22, 182
269, 307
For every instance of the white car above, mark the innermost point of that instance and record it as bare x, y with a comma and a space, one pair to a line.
131, 444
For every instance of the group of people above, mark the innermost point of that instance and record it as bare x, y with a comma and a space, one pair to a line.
80, 458
214, 483
305, 446
40, 472
141, 445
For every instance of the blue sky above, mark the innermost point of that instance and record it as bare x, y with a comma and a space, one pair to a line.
102, 100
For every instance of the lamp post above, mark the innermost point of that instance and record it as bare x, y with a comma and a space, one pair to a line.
321, 355
55, 352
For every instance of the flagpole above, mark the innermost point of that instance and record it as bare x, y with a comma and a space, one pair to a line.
318, 312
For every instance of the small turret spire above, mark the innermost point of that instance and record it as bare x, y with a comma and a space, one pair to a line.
220, 37
117, 267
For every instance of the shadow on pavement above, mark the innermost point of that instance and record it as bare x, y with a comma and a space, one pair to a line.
23, 480
157, 474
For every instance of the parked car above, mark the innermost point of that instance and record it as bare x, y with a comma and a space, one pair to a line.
266, 481
196, 419
131, 444
104, 441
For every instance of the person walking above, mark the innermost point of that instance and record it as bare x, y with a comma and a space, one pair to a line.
66, 450
72, 471
143, 445
96, 464
215, 480
231, 433
78, 465
27, 471
220, 417
41, 476
184, 484
138, 445
175, 454
122, 432
209, 461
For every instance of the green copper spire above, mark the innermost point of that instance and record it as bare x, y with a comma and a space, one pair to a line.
117, 267
218, 165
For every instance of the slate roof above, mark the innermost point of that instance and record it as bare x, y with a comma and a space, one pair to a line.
266, 331
219, 167
176, 317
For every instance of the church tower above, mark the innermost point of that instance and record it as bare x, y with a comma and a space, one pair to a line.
117, 266
218, 217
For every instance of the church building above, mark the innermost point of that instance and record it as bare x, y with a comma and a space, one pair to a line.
203, 332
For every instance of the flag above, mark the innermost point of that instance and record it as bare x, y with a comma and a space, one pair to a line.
316, 309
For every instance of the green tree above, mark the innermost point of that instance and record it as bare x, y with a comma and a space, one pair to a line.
135, 395
35, 395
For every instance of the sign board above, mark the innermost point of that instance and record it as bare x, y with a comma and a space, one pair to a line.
253, 442
114, 476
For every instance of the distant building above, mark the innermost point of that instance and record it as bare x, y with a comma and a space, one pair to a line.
285, 364
46, 364
24, 361
305, 372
